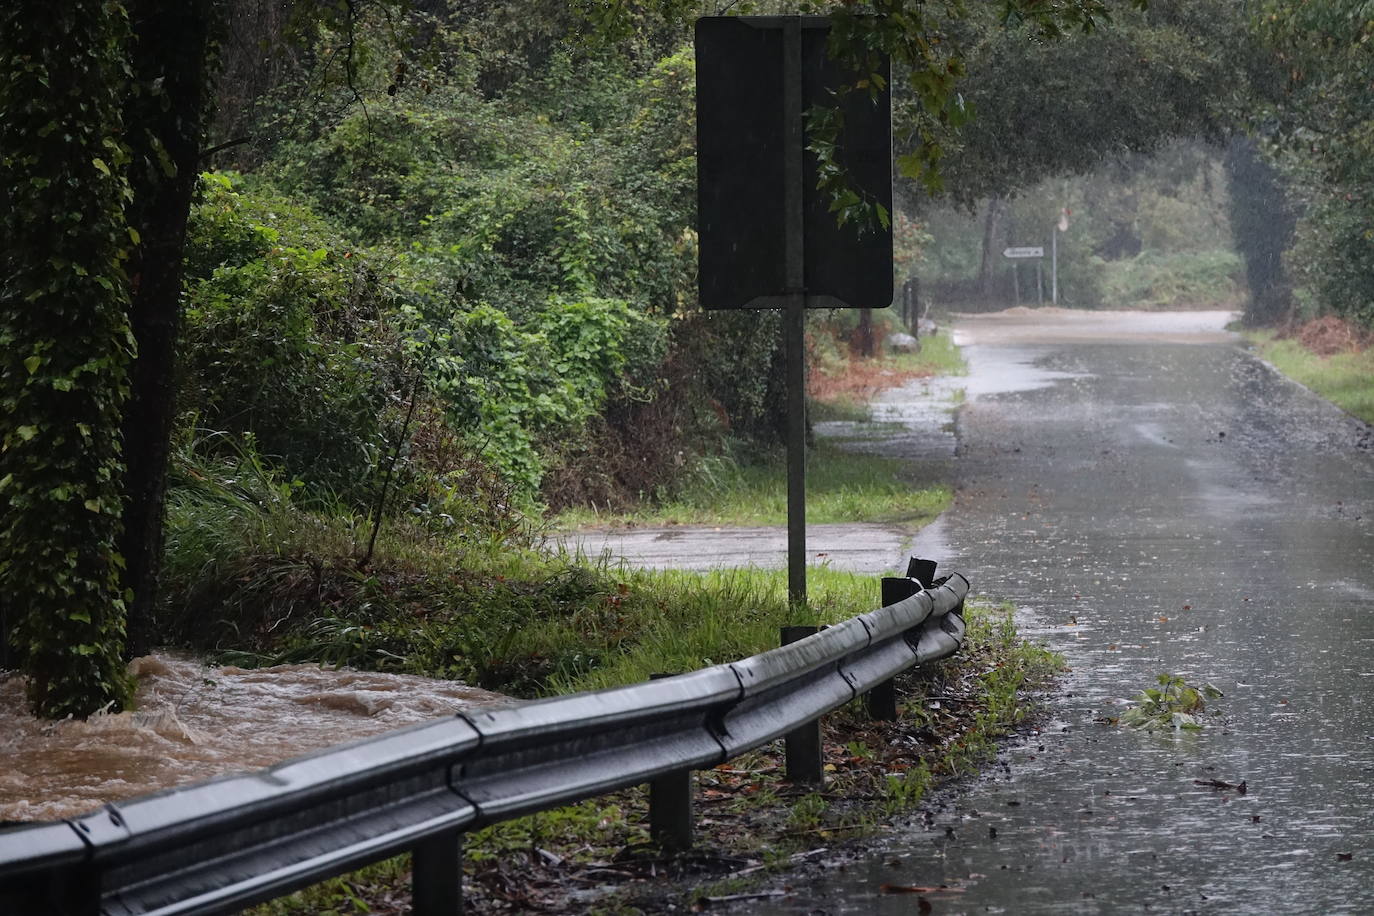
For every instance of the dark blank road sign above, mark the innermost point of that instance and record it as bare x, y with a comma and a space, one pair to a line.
741, 190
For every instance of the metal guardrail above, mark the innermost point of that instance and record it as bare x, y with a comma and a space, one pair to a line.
217, 846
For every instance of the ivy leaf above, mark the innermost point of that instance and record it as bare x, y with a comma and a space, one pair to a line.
32, 364
100, 164
884, 218
92, 504
27, 432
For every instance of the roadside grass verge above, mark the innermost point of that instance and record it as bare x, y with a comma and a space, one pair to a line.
256, 581
1345, 379
841, 486
750, 820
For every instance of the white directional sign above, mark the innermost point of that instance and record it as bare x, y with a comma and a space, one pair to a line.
1023, 252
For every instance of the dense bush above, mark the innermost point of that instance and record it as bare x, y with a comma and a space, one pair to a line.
1319, 133
545, 267
292, 345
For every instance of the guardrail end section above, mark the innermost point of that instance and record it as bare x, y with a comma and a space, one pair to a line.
898, 588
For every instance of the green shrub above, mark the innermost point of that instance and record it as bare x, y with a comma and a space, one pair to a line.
1175, 280
287, 343
513, 388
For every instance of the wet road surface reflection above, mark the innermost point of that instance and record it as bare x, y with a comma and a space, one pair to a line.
1157, 506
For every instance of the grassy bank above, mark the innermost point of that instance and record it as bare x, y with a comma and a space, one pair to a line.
259, 584
1345, 378
258, 581
842, 486
750, 820
1181, 280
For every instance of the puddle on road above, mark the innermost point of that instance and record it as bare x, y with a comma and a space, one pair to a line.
916, 421
193, 722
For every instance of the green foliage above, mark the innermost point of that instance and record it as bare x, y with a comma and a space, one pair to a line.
65, 348
1177, 280
1049, 108
841, 487
577, 184
1173, 705
542, 242
1321, 125
287, 337
513, 387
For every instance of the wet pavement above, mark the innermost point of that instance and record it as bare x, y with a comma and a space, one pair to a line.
843, 546
1153, 499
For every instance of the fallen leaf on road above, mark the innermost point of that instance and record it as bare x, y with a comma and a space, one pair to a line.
918, 889
1221, 784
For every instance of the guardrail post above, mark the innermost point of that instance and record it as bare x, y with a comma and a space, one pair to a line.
670, 806
803, 752
437, 876
670, 810
882, 699
69, 890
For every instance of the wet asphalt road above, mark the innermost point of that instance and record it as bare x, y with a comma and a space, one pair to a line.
1154, 502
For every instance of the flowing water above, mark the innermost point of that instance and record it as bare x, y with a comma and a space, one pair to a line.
1153, 499
193, 722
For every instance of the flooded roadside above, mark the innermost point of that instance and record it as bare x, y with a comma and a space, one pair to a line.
193, 722
1158, 507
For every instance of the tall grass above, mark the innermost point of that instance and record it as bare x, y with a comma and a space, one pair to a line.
938, 356
690, 620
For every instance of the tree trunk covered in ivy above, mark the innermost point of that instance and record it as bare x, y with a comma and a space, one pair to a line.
65, 347
166, 114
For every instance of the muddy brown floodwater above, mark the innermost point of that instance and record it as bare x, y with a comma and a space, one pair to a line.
1154, 499
194, 722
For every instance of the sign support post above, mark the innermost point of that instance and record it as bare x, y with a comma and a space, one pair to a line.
1054, 266
794, 313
